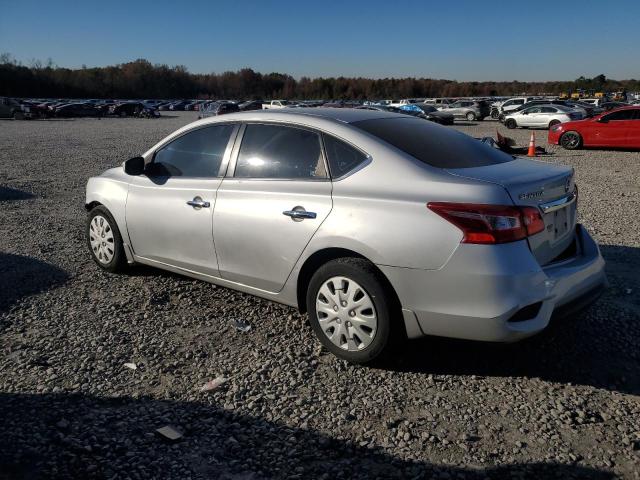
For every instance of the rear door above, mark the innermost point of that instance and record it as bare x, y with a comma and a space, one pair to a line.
275, 196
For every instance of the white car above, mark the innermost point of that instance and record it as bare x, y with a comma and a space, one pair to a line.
541, 116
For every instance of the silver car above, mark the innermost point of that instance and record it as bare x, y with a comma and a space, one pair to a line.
381, 226
469, 109
542, 116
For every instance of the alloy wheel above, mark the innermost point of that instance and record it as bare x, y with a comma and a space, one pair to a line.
101, 239
346, 314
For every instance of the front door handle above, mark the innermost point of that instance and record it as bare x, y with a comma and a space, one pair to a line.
299, 214
198, 202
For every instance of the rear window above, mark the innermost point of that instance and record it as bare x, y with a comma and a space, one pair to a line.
434, 145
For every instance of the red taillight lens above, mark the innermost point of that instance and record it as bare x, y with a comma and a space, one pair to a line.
488, 224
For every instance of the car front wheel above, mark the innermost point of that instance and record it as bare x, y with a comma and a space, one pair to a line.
571, 140
104, 240
350, 309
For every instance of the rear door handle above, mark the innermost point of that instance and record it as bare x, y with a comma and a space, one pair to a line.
197, 202
299, 214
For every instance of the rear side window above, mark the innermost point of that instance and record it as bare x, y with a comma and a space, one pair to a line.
342, 157
195, 154
275, 151
434, 145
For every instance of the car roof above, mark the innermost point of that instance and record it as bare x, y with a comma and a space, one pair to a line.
344, 115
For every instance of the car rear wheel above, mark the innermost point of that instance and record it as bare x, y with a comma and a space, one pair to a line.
350, 309
510, 123
104, 240
470, 116
571, 140
553, 122
18, 116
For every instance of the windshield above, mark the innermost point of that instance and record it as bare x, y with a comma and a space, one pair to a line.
431, 144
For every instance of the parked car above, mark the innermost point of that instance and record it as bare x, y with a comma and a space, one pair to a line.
438, 102
127, 109
250, 105
218, 108
275, 104
511, 104
532, 103
606, 106
541, 116
10, 108
76, 110
330, 236
430, 112
618, 128
469, 109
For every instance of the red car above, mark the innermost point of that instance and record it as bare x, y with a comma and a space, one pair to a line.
619, 128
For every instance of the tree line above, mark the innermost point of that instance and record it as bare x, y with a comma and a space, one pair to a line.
141, 79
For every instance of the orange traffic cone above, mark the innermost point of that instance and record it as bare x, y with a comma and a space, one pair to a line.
532, 146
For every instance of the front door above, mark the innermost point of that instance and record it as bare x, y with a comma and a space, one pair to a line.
268, 210
169, 209
613, 131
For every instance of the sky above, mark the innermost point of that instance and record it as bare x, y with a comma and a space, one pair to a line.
454, 39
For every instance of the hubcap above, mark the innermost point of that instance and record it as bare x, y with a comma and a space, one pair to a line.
101, 239
346, 314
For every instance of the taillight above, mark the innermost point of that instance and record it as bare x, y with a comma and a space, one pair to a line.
489, 224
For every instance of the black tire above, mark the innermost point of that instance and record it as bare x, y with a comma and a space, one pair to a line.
552, 123
122, 114
470, 116
495, 114
119, 260
18, 116
571, 140
510, 123
371, 280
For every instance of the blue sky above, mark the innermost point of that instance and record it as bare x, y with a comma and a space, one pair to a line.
454, 39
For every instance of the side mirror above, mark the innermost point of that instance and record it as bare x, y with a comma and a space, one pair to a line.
134, 166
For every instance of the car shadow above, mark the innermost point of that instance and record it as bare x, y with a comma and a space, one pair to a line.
21, 276
8, 194
81, 436
596, 347
465, 124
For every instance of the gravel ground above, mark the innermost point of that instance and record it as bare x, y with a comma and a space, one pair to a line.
565, 404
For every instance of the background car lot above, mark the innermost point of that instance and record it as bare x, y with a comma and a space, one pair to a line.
565, 403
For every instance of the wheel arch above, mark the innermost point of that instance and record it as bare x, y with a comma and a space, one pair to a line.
319, 258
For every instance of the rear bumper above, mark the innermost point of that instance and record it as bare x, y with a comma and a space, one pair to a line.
497, 293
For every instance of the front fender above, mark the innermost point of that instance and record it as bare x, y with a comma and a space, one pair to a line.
111, 193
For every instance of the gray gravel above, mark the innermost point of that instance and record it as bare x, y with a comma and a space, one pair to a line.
565, 404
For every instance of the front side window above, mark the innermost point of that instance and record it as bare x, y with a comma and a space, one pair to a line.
621, 115
275, 151
533, 110
341, 156
195, 154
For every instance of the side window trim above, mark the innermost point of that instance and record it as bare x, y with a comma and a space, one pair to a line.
231, 170
227, 152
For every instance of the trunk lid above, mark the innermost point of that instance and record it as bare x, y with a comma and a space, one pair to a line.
539, 184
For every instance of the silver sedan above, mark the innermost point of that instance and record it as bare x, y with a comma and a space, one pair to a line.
381, 226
